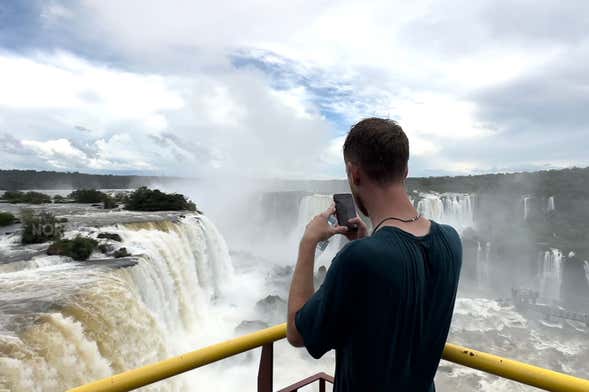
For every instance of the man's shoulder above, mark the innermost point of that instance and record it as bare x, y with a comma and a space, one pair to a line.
453, 239
359, 248
357, 252
449, 231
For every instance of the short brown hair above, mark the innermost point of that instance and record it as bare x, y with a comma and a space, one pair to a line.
380, 147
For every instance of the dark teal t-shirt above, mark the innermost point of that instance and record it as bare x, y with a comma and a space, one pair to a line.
385, 307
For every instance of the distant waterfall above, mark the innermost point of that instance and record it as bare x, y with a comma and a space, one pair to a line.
309, 206
586, 265
551, 274
312, 205
526, 201
456, 209
483, 263
550, 204
72, 323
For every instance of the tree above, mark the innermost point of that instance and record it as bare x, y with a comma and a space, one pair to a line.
145, 199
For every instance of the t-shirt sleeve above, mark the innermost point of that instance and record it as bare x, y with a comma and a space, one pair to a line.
324, 320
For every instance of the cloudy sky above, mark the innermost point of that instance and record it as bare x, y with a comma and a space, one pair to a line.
268, 88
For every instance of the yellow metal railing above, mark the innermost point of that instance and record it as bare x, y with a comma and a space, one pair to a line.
518, 371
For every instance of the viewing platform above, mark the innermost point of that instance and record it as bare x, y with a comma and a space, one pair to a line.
527, 299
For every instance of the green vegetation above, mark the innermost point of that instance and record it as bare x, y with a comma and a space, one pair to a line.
144, 199
60, 199
108, 202
87, 196
93, 196
39, 228
28, 197
80, 248
6, 219
32, 179
121, 197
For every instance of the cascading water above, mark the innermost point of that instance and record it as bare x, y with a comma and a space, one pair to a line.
526, 203
551, 275
64, 323
312, 205
482, 262
455, 209
550, 204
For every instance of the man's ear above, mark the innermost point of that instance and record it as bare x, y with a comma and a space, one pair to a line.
354, 173
406, 172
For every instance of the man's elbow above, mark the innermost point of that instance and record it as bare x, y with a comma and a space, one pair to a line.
293, 336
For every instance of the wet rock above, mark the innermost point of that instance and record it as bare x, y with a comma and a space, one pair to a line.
105, 248
110, 236
283, 271
272, 308
320, 276
121, 252
248, 326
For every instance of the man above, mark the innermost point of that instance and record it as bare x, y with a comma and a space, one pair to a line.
387, 300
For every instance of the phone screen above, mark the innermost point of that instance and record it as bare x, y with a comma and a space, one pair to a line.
345, 209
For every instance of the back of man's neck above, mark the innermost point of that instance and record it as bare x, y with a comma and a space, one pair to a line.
392, 202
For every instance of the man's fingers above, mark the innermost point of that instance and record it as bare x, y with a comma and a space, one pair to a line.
328, 212
355, 220
339, 229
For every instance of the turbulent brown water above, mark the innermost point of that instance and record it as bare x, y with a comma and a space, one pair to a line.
64, 323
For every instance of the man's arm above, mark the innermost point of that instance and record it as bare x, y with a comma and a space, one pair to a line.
301, 288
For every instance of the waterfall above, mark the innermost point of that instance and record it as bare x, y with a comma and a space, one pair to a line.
309, 206
66, 323
456, 209
586, 265
312, 205
551, 274
526, 201
482, 263
550, 204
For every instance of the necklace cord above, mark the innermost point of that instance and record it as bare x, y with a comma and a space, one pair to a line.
410, 220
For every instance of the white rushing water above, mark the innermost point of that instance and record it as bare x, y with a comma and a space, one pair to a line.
483, 262
456, 209
66, 323
550, 204
526, 202
551, 274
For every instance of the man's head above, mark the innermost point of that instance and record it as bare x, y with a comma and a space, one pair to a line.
376, 152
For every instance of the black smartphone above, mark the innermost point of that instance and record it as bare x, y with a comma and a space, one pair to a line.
345, 209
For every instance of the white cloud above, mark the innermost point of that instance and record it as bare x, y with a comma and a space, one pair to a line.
51, 148
422, 63
85, 93
445, 117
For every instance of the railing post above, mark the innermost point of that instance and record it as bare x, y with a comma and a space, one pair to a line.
265, 371
321, 385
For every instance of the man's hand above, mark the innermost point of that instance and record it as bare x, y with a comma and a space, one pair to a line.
357, 234
319, 229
